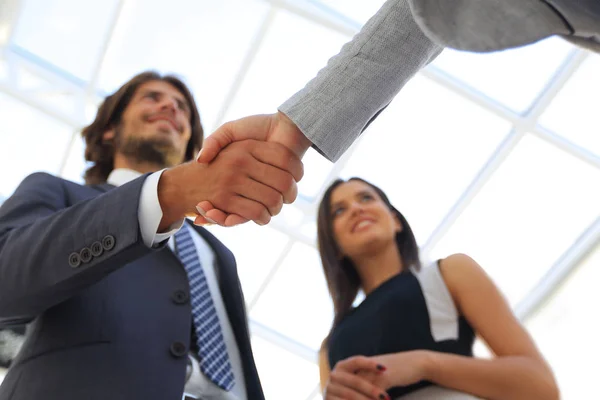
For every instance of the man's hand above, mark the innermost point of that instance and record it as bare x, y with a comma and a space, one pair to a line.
275, 128
249, 178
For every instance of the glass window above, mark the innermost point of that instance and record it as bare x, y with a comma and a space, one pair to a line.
566, 330
31, 142
283, 375
75, 164
256, 249
357, 10
68, 34
316, 170
515, 77
3, 69
425, 149
534, 207
296, 303
573, 113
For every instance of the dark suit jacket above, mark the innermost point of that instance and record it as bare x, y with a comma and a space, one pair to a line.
111, 318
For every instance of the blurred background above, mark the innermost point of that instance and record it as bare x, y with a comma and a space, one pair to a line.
496, 155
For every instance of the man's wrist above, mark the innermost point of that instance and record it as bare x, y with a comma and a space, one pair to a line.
290, 135
167, 197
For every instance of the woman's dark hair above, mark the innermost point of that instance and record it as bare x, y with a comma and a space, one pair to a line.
342, 278
109, 115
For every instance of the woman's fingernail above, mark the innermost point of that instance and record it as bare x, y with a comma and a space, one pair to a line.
199, 153
382, 396
381, 367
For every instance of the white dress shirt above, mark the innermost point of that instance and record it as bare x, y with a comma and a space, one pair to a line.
149, 216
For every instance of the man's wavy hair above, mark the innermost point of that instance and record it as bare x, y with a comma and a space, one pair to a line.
109, 115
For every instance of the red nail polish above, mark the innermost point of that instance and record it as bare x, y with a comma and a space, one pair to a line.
381, 367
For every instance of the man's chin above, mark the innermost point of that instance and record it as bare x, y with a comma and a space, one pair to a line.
173, 160
158, 151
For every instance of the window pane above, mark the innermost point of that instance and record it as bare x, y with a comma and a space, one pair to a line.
37, 86
296, 302
357, 10
316, 170
534, 207
75, 164
256, 248
566, 329
31, 141
284, 63
67, 33
573, 113
289, 218
514, 77
203, 41
3, 69
425, 149
283, 375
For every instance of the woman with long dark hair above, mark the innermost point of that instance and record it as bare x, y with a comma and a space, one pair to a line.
412, 336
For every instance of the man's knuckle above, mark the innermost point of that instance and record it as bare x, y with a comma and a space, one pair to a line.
266, 217
290, 183
253, 214
239, 162
274, 201
285, 182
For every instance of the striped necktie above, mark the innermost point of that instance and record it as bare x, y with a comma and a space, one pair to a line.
214, 360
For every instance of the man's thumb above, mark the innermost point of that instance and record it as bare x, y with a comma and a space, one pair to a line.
210, 149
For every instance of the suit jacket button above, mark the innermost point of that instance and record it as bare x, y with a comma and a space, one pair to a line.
108, 242
180, 297
97, 249
178, 349
86, 255
74, 260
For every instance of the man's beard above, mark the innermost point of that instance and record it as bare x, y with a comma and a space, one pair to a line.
154, 150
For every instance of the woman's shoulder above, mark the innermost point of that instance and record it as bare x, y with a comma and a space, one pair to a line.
459, 265
459, 271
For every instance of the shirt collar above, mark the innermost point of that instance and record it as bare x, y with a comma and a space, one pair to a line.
121, 176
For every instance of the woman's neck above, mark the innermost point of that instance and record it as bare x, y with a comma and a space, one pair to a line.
379, 266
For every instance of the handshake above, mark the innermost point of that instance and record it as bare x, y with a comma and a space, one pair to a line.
247, 169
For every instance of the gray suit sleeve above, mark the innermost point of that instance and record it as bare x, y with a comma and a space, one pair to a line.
357, 84
39, 231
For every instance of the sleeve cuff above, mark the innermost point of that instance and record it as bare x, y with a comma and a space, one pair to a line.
150, 213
